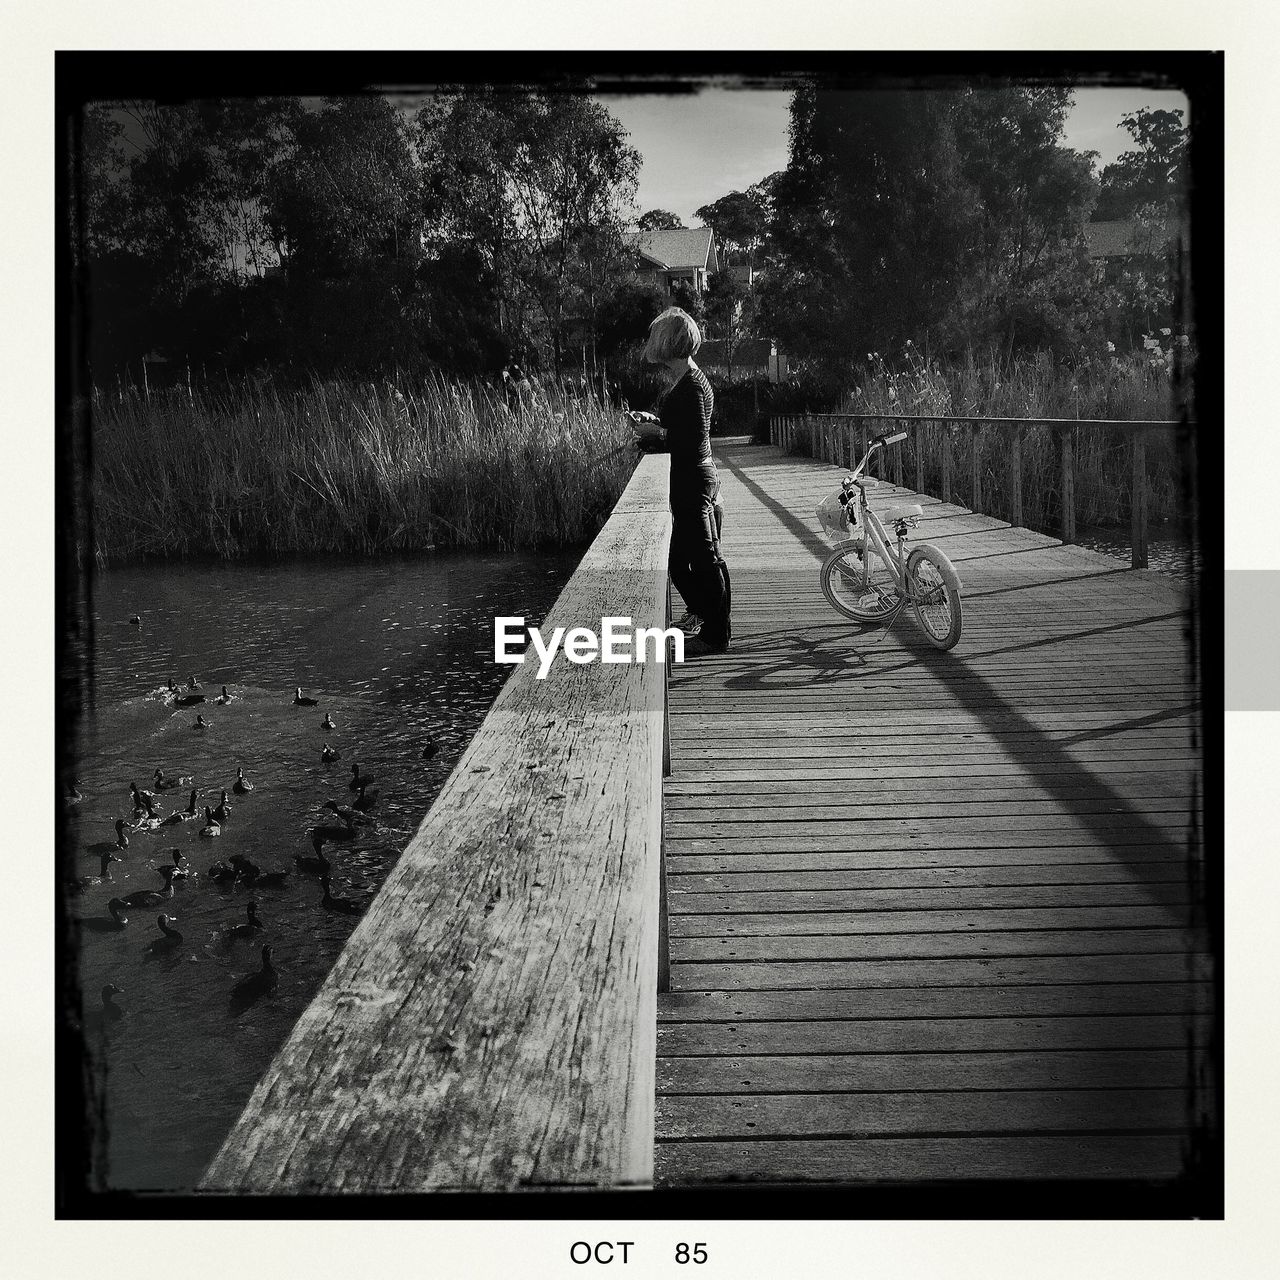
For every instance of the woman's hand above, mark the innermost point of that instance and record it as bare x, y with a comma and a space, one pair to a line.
647, 425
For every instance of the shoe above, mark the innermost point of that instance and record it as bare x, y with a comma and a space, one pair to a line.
689, 623
697, 647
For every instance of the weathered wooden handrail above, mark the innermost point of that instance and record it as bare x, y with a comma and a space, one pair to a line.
491, 1023
823, 431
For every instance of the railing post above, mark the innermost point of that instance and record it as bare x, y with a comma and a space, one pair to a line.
1016, 466
897, 455
975, 476
1068, 485
1138, 503
946, 463
919, 443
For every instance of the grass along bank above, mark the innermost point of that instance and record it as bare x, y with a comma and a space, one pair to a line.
338, 467
1139, 387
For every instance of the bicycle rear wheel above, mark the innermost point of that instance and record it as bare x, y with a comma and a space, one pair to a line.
935, 595
860, 585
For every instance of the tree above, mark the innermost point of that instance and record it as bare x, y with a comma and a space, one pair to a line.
660, 220
739, 220
536, 182
1156, 173
730, 312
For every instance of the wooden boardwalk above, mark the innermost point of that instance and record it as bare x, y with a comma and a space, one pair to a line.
934, 915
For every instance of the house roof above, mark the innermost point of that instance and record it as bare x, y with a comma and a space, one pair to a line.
1124, 237
675, 250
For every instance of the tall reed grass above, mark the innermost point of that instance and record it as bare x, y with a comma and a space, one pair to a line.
1138, 388
336, 467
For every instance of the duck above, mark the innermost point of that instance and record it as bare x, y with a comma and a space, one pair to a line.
162, 783
73, 794
200, 725
328, 755
153, 897
241, 786
365, 800
223, 811
257, 878
143, 800
110, 1011
183, 815
250, 988
170, 939
136, 620
188, 699
116, 919
212, 827
358, 779
343, 906
224, 697
328, 833
121, 842
327, 723
221, 873
192, 682
251, 926
300, 701
319, 865
90, 882
181, 868
430, 749
344, 811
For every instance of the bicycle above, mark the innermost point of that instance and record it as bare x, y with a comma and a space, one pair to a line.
870, 581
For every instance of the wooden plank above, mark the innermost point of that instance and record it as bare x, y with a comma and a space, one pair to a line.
997, 970
490, 1023
889, 1160
1132, 862
763, 1117
927, 1035
687, 1007
912, 1072
749, 880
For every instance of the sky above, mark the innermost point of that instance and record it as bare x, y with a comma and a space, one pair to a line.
697, 148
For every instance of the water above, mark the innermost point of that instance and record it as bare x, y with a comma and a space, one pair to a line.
1166, 553
396, 652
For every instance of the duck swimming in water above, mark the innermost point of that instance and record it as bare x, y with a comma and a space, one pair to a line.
212, 827
344, 811
181, 867
223, 811
192, 682
300, 701
162, 783
359, 779
221, 873
241, 786
319, 865
365, 800
331, 833
91, 882
188, 699
430, 749
143, 800
343, 906
327, 723
224, 697
74, 795
121, 842
201, 724
257, 878
250, 988
112, 923
251, 926
328, 755
169, 940
153, 897
111, 1012
182, 815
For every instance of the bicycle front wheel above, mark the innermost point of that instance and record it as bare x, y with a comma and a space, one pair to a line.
935, 595
859, 584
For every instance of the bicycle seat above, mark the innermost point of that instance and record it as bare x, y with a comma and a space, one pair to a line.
901, 511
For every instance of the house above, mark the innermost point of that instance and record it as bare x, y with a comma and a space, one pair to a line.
664, 257
1116, 244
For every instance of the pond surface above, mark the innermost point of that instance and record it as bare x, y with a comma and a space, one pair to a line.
398, 653
1167, 552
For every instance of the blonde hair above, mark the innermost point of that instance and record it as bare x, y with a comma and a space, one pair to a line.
672, 335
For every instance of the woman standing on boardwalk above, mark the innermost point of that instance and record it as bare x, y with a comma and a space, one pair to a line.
696, 565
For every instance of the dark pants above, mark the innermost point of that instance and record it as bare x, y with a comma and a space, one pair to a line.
697, 568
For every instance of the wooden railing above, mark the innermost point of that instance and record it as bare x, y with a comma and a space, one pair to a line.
491, 1024
842, 438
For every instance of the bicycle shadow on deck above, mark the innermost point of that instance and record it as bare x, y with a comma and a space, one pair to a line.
1057, 773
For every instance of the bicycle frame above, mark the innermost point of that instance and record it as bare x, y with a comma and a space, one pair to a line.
873, 530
